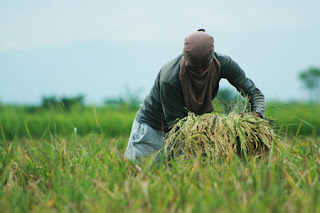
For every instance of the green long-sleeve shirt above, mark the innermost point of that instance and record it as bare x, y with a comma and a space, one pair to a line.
165, 102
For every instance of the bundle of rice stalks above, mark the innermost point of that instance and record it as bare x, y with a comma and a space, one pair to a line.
217, 136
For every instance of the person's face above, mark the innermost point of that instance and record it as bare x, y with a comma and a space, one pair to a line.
198, 69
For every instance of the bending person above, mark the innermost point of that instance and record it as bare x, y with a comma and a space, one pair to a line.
190, 81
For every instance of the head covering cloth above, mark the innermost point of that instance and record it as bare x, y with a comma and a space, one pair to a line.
198, 88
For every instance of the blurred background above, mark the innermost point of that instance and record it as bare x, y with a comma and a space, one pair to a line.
101, 50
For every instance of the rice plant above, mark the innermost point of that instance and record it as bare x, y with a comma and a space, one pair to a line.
220, 135
87, 172
217, 136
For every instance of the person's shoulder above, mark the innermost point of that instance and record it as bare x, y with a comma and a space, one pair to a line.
173, 63
227, 63
222, 58
171, 69
229, 67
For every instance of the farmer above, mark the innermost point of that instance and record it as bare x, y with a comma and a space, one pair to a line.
187, 83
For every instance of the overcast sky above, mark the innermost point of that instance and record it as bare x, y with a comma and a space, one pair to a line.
100, 48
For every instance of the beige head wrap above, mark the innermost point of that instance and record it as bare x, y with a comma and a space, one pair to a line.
198, 87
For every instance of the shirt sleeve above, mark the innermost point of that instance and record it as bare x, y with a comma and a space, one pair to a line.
236, 76
172, 103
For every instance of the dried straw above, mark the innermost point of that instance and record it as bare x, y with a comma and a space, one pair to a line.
216, 136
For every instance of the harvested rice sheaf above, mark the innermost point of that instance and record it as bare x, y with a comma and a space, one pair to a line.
217, 136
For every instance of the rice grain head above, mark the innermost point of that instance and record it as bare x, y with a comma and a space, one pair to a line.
216, 136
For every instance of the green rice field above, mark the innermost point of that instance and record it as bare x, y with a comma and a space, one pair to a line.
73, 161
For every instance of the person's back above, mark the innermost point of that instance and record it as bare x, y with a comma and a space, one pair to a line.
166, 84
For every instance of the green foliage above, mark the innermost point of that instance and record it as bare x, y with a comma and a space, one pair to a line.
54, 102
303, 118
238, 104
311, 80
113, 121
129, 99
226, 94
88, 120
47, 166
90, 174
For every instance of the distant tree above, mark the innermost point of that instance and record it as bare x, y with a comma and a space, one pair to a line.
311, 81
49, 102
130, 99
73, 101
54, 102
115, 102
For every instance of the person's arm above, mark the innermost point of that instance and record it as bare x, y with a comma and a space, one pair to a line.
172, 103
236, 76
